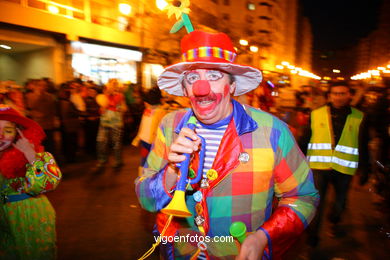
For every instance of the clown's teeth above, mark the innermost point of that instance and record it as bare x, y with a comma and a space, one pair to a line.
205, 102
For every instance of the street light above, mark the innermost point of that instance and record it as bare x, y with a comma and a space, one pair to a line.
375, 73
161, 4
124, 8
53, 9
5, 47
254, 48
243, 42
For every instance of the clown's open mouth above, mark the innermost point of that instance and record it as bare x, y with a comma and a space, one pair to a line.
205, 101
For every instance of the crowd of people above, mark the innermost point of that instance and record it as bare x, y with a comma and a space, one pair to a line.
76, 115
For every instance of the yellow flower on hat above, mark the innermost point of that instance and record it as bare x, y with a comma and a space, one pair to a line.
173, 7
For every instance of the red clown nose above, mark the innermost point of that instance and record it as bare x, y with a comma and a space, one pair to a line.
201, 88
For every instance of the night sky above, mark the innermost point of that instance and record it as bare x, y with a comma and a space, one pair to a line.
337, 24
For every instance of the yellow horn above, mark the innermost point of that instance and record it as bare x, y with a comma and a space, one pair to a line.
177, 207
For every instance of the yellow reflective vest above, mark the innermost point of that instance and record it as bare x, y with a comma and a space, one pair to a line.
322, 152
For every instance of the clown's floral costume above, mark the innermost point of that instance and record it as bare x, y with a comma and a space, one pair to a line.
27, 219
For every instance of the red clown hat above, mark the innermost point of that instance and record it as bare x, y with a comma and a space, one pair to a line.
203, 50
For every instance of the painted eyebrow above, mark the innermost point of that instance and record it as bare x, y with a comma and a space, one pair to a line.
9, 127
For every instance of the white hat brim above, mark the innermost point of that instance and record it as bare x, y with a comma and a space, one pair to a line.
247, 78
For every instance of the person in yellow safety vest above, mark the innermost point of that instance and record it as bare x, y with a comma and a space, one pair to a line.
336, 145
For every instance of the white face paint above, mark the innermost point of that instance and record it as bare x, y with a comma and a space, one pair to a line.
209, 92
7, 134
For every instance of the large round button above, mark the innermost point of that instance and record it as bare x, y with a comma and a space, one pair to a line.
212, 174
243, 157
197, 196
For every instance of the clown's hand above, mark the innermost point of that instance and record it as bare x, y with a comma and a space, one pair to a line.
25, 147
187, 142
253, 246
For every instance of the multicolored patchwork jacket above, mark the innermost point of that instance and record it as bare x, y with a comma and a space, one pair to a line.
244, 190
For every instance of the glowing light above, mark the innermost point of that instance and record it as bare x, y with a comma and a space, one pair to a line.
270, 83
48, 2
244, 42
5, 47
124, 8
298, 70
326, 78
336, 71
381, 68
53, 9
161, 4
375, 73
254, 48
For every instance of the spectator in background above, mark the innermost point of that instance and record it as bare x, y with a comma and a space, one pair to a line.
41, 107
153, 113
51, 87
112, 106
338, 145
76, 95
135, 103
91, 122
11, 94
70, 124
262, 97
29, 85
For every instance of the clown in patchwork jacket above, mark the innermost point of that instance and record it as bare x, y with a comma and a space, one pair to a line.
27, 219
244, 164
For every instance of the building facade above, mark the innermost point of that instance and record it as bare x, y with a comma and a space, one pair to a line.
373, 50
96, 40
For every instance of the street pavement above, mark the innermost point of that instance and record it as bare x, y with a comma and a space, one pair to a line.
98, 217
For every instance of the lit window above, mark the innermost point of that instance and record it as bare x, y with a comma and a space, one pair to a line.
251, 6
